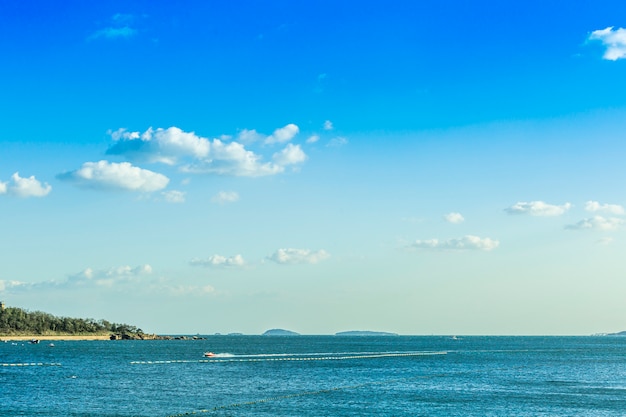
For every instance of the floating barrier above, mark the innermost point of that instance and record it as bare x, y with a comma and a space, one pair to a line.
30, 364
250, 358
302, 394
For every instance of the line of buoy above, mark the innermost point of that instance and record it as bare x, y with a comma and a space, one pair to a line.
298, 359
299, 394
30, 364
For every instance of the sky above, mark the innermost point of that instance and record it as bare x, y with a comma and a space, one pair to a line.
434, 167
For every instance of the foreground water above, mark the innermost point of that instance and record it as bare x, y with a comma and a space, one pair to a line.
317, 376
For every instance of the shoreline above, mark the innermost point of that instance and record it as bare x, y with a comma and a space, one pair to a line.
17, 338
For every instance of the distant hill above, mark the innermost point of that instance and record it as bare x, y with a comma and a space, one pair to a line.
280, 332
364, 333
623, 333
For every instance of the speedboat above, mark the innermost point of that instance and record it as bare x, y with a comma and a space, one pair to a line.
209, 354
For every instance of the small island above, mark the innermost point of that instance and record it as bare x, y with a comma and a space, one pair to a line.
280, 332
364, 333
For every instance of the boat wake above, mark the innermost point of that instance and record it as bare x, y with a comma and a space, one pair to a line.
279, 357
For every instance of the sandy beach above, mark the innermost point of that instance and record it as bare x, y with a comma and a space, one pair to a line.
56, 337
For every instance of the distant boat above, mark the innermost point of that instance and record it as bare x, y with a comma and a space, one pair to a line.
34, 341
51, 345
209, 354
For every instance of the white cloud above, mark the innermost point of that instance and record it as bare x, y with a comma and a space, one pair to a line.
24, 187
538, 208
313, 139
108, 277
167, 146
597, 223
468, 242
218, 261
283, 134
195, 154
328, 125
88, 278
174, 196
184, 290
290, 155
249, 136
298, 256
455, 218
225, 197
113, 33
614, 40
9, 286
111, 175
337, 142
233, 159
606, 208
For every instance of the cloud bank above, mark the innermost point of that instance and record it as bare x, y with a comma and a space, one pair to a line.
195, 154
597, 223
298, 256
467, 242
538, 208
218, 261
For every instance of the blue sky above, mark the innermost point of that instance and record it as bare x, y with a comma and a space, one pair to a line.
418, 167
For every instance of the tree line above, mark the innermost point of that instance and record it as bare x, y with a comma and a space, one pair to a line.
18, 321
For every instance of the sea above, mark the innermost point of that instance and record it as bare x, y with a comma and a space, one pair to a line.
316, 376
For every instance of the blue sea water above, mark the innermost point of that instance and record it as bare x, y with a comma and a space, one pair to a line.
317, 376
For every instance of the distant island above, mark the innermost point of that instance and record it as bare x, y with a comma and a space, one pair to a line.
623, 333
364, 333
280, 332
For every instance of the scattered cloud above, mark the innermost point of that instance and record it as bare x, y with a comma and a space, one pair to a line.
613, 40
283, 134
249, 136
225, 197
108, 277
183, 290
468, 242
298, 256
290, 155
605, 241
111, 175
88, 278
174, 196
594, 206
113, 33
597, 223
124, 278
454, 218
119, 28
538, 208
167, 146
328, 125
24, 187
312, 139
218, 261
195, 154
337, 142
